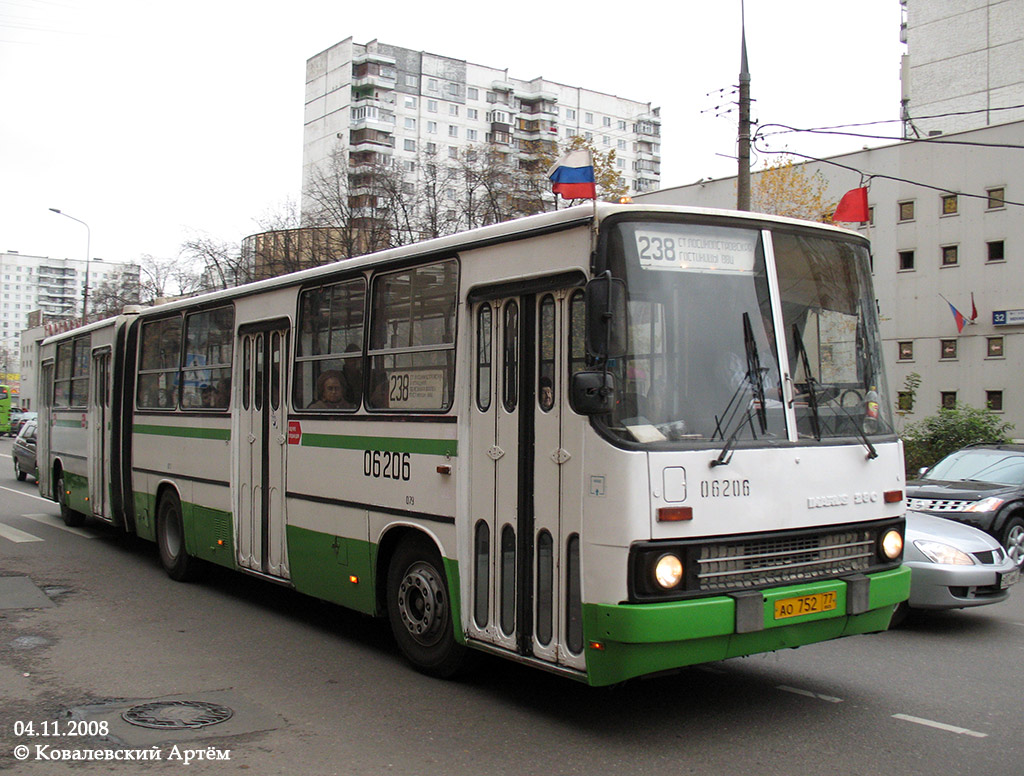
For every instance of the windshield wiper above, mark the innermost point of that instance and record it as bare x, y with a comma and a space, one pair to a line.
754, 379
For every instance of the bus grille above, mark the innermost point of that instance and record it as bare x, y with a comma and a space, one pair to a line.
763, 562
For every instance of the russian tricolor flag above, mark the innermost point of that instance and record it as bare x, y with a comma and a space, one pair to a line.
572, 176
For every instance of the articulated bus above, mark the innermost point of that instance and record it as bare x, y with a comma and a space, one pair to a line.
607, 441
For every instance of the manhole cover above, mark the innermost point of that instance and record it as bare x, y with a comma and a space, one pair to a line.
177, 715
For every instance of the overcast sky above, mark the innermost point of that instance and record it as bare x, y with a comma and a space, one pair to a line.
158, 122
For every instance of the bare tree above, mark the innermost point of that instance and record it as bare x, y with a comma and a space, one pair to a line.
219, 264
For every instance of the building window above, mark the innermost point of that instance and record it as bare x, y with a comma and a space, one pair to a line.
905, 401
432, 127
570, 113
410, 123
994, 347
453, 110
906, 351
994, 400
410, 145
432, 106
906, 260
950, 255
607, 121
453, 131
588, 118
473, 93
472, 113
950, 204
947, 399
996, 198
996, 250
906, 211
947, 349
471, 135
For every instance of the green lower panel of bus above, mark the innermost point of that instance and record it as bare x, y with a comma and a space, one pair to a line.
333, 568
77, 492
209, 533
626, 640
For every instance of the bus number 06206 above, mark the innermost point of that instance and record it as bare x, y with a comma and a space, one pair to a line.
386, 465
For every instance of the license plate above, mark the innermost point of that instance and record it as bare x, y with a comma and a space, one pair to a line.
805, 604
1009, 579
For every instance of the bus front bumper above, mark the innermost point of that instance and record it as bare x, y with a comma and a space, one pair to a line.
627, 640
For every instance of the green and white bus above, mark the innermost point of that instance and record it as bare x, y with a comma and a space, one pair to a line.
607, 441
5, 409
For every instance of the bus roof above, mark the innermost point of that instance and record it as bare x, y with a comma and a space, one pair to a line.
506, 231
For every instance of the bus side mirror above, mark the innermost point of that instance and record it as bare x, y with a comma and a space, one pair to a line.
606, 317
592, 393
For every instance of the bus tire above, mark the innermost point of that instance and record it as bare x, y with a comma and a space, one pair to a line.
71, 517
420, 611
170, 539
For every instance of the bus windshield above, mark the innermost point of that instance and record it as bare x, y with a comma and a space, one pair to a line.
706, 342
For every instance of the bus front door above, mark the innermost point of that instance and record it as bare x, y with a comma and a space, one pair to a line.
260, 539
524, 493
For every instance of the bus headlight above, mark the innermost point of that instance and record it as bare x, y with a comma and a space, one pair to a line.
891, 544
668, 571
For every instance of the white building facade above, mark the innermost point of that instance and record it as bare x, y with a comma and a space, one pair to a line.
947, 224
964, 64
382, 99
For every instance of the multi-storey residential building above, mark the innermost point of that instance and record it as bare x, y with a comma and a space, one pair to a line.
946, 228
54, 287
380, 101
963, 64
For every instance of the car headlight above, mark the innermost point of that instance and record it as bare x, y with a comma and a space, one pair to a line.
989, 504
668, 571
937, 552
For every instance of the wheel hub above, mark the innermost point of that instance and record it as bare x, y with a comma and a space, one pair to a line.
1015, 543
422, 603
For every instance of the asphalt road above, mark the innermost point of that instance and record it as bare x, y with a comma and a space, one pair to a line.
91, 628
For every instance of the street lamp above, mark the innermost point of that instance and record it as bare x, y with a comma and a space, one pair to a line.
88, 239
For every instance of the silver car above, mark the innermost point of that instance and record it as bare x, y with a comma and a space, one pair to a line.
954, 566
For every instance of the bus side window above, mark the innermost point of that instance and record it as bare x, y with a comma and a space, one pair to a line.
329, 347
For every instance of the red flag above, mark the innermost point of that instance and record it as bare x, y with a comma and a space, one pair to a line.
853, 206
974, 309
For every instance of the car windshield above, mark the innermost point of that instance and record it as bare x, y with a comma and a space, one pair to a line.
703, 361
996, 467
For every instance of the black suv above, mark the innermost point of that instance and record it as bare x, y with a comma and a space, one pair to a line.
981, 485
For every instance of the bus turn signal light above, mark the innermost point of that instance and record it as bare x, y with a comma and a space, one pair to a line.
674, 514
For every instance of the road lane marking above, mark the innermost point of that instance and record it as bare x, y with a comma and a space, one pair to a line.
53, 521
27, 495
808, 693
940, 726
15, 535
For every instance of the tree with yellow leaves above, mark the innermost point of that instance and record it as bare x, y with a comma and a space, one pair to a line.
785, 188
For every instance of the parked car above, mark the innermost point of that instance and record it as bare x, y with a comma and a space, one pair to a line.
981, 485
15, 419
24, 418
23, 451
953, 566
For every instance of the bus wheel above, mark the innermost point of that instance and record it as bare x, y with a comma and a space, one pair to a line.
170, 538
70, 516
420, 611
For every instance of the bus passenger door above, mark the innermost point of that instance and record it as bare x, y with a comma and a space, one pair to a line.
518, 591
260, 520
99, 433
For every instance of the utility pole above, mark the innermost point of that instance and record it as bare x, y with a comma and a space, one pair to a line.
743, 173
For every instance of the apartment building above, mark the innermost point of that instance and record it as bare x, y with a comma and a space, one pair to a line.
381, 101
